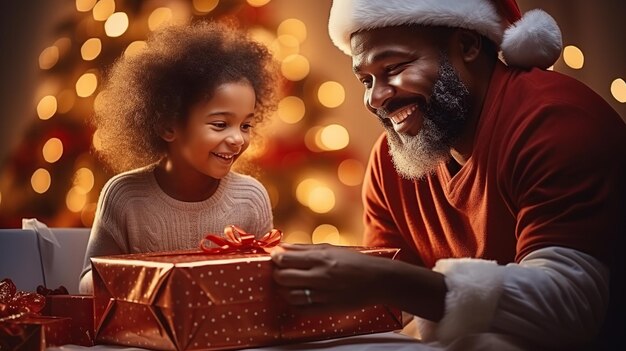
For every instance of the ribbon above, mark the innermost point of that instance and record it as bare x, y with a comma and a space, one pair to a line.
16, 304
237, 240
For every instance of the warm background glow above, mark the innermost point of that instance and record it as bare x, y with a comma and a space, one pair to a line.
314, 150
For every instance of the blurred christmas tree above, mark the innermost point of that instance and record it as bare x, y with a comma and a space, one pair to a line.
306, 164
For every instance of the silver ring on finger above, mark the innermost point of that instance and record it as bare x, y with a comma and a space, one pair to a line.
307, 293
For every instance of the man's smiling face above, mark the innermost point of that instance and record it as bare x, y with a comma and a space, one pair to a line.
415, 92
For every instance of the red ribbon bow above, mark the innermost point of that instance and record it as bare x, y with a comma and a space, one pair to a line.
15, 304
237, 240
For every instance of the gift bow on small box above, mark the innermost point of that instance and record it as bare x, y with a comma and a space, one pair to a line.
16, 304
236, 239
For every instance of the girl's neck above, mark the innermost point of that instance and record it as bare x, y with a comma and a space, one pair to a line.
184, 186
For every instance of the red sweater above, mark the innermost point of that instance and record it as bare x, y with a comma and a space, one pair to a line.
547, 168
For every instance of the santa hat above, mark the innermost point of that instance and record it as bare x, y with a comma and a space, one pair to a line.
533, 40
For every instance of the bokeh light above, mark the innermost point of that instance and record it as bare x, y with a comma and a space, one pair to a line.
291, 109
40, 180
293, 27
103, 9
49, 57
573, 57
84, 5
86, 85
75, 200
205, 6
84, 180
47, 107
295, 236
618, 90
116, 24
91, 49
52, 150
321, 199
295, 67
160, 17
257, 3
334, 137
350, 172
135, 48
325, 233
331, 94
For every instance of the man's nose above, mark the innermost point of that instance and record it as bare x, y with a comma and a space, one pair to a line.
379, 93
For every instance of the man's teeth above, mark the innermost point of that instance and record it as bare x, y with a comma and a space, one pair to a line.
402, 115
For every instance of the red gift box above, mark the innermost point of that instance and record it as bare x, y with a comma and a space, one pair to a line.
80, 309
191, 300
30, 333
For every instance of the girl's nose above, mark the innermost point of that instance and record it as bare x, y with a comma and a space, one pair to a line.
236, 138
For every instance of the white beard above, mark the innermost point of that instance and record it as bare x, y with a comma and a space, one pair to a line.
415, 157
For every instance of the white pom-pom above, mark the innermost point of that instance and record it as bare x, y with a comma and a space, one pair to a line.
533, 41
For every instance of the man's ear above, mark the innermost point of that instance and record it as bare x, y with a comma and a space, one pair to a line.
468, 43
168, 134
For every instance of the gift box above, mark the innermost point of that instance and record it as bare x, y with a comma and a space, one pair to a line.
191, 300
79, 308
31, 333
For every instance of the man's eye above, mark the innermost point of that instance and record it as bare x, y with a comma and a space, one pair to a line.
394, 69
366, 82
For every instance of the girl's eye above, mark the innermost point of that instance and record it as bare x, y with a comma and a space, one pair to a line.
218, 125
247, 126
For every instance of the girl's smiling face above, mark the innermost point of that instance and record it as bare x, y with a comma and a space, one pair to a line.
216, 133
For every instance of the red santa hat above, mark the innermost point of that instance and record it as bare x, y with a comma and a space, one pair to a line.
532, 40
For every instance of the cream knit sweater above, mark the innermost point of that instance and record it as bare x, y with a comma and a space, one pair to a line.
134, 215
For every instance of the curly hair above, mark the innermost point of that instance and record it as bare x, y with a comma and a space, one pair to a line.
180, 66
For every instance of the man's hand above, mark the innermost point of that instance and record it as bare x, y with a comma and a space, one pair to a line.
332, 275
327, 274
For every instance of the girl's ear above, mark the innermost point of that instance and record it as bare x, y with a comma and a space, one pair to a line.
168, 134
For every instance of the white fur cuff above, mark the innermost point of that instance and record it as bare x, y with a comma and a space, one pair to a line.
474, 288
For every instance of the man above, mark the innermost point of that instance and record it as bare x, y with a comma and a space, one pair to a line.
501, 183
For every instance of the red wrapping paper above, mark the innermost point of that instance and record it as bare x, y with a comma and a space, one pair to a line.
80, 309
193, 300
37, 333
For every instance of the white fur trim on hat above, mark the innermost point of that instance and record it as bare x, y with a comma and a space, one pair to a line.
535, 40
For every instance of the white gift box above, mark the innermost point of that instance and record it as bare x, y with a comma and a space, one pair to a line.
38, 255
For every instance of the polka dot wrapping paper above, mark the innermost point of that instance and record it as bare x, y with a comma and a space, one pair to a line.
80, 309
190, 300
37, 333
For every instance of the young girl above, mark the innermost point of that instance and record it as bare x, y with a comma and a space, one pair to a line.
174, 119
